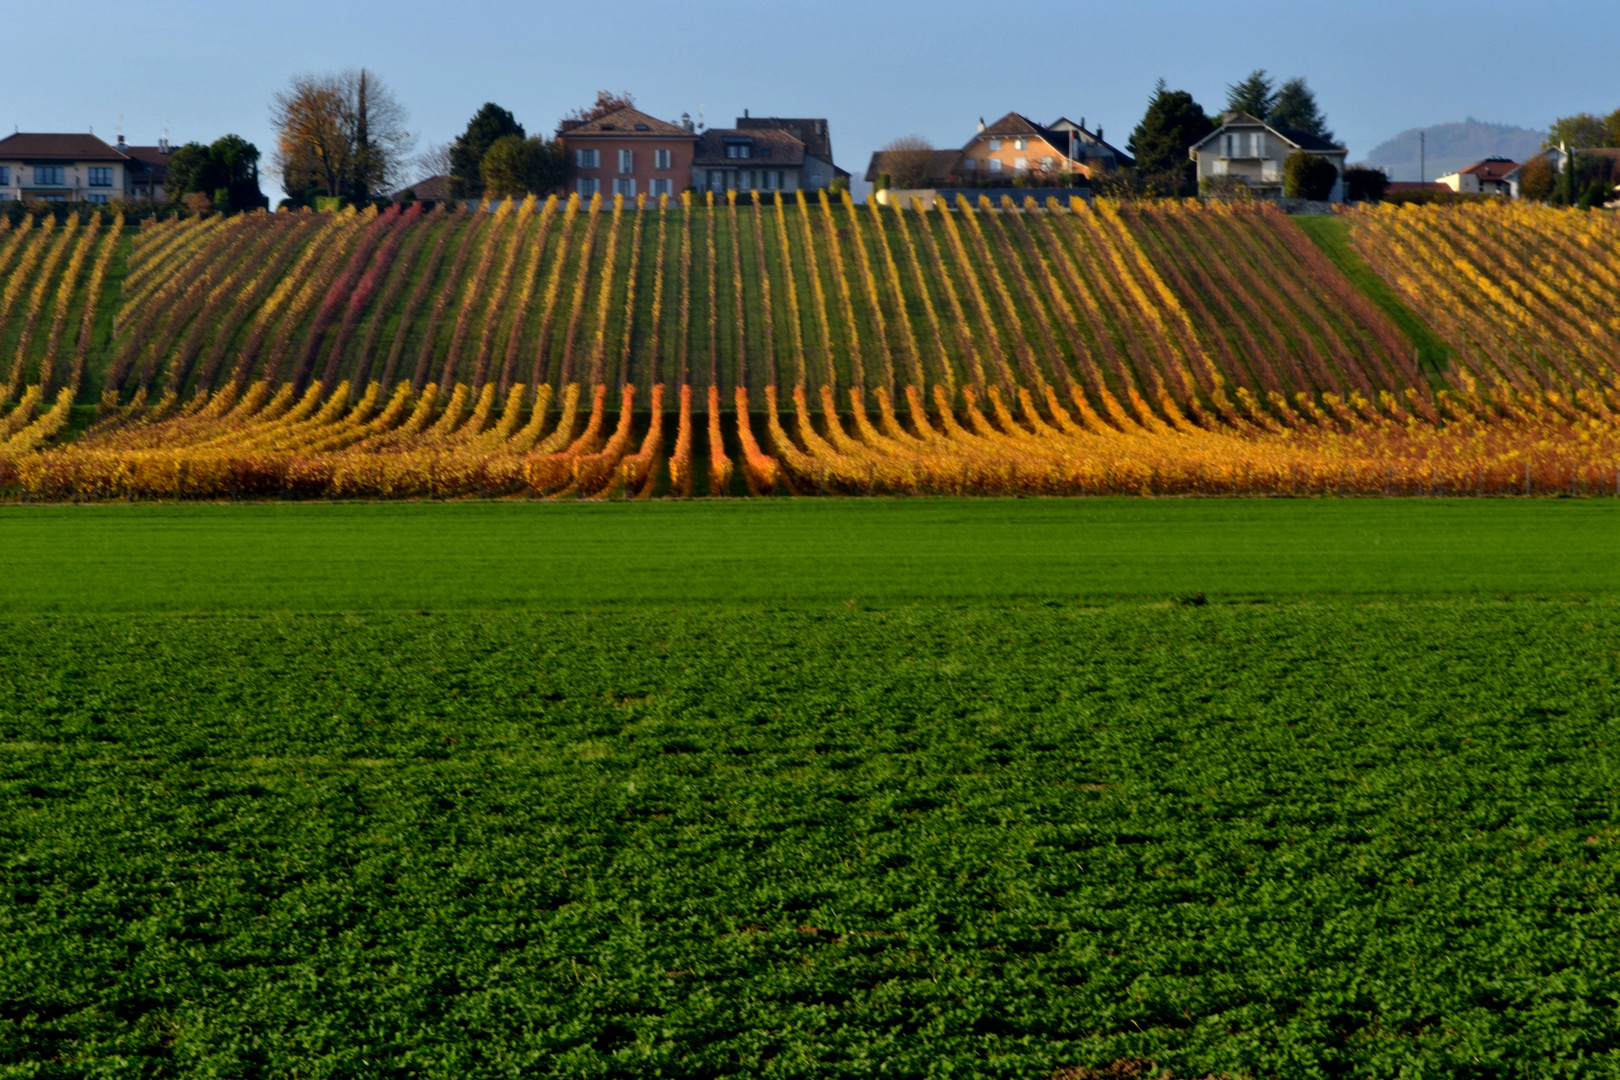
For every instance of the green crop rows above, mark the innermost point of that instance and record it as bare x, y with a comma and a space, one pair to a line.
1302, 832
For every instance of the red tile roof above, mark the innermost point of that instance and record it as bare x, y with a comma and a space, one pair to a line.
1490, 168
626, 123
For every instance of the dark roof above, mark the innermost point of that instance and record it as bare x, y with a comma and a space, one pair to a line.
1016, 125
625, 123
941, 168
41, 147
812, 131
783, 149
428, 189
1306, 141
154, 158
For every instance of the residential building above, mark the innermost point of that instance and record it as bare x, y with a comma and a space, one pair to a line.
148, 169
435, 189
1488, 177
819, 170
1555, 157
1016, 146
629, 153
1254, 152
62, 168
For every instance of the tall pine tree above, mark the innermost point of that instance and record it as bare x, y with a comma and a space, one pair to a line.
1295, 109
1174, 121
1255, 95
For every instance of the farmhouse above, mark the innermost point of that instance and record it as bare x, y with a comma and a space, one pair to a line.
1253, 151
1488, 177
1017, 146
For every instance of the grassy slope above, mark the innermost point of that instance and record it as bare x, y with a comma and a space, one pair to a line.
966, 826
495, 555
1332, 235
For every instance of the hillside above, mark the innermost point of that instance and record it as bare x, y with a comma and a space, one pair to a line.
1453, 146
1164, 347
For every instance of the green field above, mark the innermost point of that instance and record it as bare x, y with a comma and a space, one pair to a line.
811, 788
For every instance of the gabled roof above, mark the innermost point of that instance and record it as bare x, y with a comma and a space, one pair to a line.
30, 146
155, 159
1300, 140
775, 148
625, 123
941, 167
1016, 125
427, 189
1489, 169
811, 131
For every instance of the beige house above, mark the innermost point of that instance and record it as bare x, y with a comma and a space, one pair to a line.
63, 168
1253, 151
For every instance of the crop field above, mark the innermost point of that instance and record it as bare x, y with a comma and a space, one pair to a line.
810, 788
561, 349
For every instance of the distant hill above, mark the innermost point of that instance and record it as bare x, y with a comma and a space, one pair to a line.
1453, 146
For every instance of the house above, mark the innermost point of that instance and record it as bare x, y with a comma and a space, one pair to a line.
63, 168
434, 189
1011, 147
1254, 151
148, 168
1555, 156
819, 171
1016, 146
1488, 177
626, 152
742, 160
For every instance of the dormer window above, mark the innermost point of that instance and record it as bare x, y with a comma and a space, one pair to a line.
739, 150
643, 127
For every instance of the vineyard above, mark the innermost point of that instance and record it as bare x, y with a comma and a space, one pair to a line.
810, 346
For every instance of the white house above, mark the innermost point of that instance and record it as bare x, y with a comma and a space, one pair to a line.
1253, 151
1488, 177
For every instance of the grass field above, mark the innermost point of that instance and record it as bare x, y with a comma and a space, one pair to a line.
810, 789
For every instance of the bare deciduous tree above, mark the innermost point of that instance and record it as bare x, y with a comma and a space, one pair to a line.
606, 102
434, 161
909, 161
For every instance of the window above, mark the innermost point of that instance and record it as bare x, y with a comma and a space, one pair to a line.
717, 180
1020, 144
101, 176
1259, 144
995, 144
968, 164
995, 164
96, 197
663, 187
49, 174
627, 161
589, 185
1046, 163
1229, 146
772, 181
624, 187
5, 196
660, 159
1021, 164
745, 180
587, 159
739, 150
5, 175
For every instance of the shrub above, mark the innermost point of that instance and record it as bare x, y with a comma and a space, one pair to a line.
1307, 176
1364, 184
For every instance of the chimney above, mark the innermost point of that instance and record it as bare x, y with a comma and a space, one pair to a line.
686, 121
981, 123
745, 114
1099, 133
120, 140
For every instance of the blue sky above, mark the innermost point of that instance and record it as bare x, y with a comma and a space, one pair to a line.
875, 70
